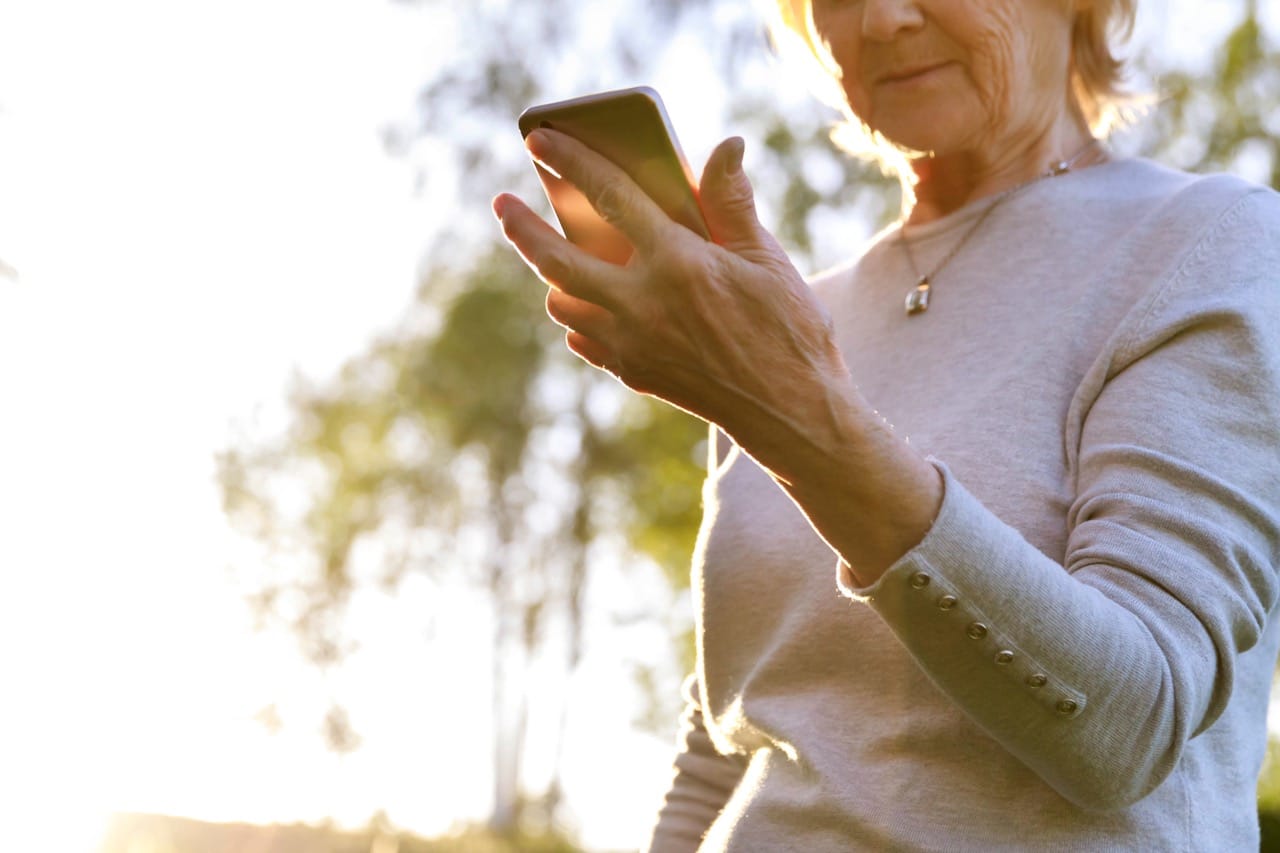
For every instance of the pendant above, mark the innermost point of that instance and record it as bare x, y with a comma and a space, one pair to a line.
918, 299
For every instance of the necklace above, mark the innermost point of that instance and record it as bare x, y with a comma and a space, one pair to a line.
918, 299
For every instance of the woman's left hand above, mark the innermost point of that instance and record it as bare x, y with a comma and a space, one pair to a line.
727, 330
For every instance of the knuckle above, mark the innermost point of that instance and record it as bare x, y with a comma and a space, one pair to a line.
555, 306
740, 204
612, 203
691, 268
673, 262
637, 373
558, 266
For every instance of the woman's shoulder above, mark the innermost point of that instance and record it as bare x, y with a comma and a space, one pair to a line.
1175, 194
1214, 243
1151, 220
1222, 214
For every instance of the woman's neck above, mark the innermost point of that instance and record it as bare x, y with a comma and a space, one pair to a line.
947, 182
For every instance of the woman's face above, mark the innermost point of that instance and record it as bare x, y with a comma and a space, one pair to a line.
951, 75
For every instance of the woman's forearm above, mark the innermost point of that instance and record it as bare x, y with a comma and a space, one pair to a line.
866, 492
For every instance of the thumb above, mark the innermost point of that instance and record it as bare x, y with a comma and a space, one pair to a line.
728, 202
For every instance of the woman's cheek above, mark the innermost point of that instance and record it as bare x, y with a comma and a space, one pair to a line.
995, 67
860, 102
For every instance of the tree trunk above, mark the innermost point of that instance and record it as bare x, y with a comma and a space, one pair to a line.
505, 817
574, 589
509, 664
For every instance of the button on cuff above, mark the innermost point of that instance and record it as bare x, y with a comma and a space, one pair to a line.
947, 622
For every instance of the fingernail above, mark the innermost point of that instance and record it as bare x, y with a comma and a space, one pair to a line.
499, 201
737, 147
536, 139
536, 143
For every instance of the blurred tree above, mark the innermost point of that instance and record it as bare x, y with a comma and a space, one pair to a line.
1227, 119
467, 445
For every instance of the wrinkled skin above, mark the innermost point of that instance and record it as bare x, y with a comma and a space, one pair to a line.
993, 105
982, 48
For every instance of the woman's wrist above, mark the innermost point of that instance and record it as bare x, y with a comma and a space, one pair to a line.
869, 495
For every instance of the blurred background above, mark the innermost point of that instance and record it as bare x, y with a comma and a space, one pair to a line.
312, 537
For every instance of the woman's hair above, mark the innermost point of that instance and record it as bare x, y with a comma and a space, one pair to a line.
1097, 74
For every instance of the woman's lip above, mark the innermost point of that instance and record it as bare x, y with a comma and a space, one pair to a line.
908, 74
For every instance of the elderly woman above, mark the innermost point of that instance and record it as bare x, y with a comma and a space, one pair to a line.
989, 557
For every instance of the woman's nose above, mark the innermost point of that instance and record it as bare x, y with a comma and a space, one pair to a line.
884, 20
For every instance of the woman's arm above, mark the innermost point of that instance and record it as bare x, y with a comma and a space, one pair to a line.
701, 783
1170, 570
1097, 676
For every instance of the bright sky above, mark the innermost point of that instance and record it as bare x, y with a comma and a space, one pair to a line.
196, 202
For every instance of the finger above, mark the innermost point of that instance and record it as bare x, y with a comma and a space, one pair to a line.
579, 315
611, 191
728, 201
557, 262
593, 352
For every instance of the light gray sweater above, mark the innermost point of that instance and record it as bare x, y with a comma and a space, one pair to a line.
1078, 655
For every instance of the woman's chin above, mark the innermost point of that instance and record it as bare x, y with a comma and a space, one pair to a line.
925, 137
917, 140
933, 124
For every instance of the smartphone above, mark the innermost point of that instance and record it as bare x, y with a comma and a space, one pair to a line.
631, 128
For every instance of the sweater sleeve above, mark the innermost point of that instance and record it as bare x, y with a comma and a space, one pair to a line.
1095, 673
701, 784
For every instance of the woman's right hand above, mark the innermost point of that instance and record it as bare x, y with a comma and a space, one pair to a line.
726, 329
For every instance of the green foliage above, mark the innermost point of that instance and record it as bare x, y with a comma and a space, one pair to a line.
1269, 781
1269, 798
654, 456
1229, 119
474, 379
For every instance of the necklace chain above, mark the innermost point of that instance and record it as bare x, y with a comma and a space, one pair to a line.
918, 299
